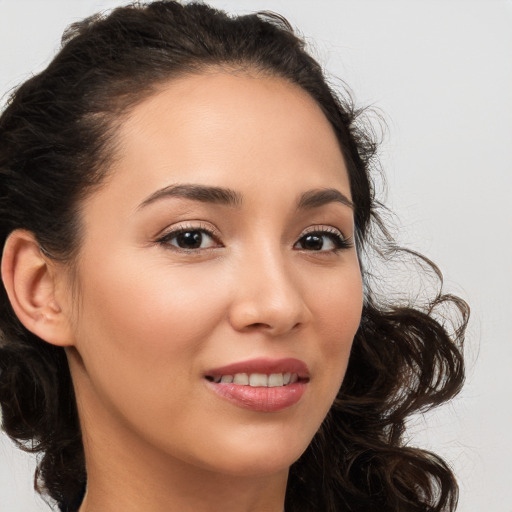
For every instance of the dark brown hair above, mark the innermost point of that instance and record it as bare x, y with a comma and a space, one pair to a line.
57, 138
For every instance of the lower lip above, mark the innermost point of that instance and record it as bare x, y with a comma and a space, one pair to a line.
260, 399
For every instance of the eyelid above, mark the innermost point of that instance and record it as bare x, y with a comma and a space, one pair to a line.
324, 228
345, 242
174, 230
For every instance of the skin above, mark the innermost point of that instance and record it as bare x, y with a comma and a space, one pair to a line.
148, 319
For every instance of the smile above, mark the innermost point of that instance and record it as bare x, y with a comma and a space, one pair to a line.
257, 379
260, 385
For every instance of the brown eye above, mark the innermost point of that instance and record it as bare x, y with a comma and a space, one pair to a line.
312, 242
189, 239
322, 241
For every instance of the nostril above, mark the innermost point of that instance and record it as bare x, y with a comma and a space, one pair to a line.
259, 325
270, 328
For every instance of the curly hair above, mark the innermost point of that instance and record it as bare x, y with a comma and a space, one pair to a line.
56, 144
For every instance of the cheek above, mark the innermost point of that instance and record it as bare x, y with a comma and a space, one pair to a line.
139, 325
337, 317
338, 302
152, 304
139, 334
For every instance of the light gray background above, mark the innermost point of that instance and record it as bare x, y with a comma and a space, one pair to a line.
441, 72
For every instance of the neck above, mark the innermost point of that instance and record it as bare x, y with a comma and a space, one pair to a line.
138, 489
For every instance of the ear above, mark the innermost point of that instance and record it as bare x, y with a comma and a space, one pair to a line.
30, 280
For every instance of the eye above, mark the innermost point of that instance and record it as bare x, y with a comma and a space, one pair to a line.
323, 240
190, 239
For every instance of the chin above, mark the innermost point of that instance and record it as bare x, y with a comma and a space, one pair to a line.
261, 467
259, 455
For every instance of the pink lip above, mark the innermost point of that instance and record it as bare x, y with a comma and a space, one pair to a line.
261, 399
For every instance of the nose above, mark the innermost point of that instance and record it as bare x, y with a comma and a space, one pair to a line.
268, 296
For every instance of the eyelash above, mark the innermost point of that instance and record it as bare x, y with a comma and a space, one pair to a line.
336, 237
197, 228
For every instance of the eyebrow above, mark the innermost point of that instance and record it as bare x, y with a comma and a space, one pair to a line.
320, 197
202, 193
228, 197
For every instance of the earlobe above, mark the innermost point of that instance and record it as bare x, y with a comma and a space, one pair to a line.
30, 281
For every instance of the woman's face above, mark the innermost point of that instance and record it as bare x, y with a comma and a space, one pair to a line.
219, 249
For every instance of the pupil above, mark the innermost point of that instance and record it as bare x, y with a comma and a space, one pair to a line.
190, 240
312, 242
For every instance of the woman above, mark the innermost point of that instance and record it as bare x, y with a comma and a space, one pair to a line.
188, 316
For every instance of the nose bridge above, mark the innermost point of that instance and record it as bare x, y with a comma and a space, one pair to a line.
268, 294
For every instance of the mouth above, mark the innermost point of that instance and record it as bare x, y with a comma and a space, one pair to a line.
256, 380
261, 385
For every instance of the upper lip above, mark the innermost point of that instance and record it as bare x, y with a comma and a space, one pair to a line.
263, 365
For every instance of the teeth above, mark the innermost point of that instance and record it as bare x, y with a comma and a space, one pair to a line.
258, 379
241, 378
275, 379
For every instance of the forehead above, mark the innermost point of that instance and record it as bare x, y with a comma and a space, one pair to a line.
218, 127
